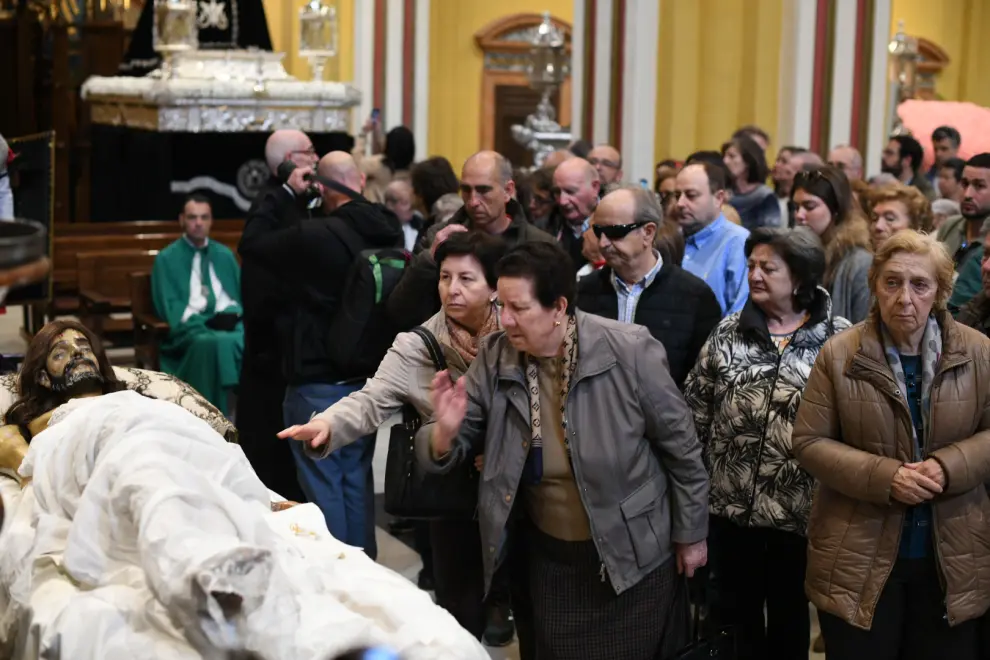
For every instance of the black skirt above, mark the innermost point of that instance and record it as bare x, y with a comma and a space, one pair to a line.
576, 614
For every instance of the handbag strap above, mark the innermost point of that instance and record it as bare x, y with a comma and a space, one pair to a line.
433, 346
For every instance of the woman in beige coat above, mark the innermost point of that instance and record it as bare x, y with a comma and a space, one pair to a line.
895, 426
466, 261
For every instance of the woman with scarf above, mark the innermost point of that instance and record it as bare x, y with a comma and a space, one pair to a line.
466, 261
592, 469
894, 425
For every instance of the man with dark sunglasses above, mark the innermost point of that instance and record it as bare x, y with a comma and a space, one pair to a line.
636, 286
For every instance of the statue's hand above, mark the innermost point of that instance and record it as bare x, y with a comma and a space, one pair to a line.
282, 506
13, 448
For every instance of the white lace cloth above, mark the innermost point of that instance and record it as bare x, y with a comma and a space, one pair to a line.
145, 535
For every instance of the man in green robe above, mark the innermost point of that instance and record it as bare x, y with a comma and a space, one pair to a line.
196, 287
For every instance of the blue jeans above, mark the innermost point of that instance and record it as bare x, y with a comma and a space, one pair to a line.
342, 484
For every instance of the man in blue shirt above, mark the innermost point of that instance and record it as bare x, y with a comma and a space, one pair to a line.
713, 246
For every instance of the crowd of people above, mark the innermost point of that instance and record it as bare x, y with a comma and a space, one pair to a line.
787, 364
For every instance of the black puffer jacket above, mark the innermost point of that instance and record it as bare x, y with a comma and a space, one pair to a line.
678, 309
315, 258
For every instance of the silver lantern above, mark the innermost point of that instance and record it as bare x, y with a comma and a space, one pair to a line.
902, 73
174, 31
318, 34
547, 69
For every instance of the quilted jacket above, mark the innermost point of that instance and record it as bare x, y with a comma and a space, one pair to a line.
745, 394
852, 433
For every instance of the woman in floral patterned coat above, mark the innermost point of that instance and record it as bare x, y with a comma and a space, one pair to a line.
744, 392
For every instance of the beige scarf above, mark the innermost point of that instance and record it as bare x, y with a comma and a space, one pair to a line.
464, 341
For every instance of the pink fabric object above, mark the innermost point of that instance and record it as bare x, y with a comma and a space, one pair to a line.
971, 120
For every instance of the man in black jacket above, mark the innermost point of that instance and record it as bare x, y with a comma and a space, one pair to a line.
678, 308
487, 189
314, 257
262, 387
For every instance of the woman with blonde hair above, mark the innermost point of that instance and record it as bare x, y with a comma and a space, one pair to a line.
896, 207
893, 425
823, 202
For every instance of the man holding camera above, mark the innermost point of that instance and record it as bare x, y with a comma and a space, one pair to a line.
196, 288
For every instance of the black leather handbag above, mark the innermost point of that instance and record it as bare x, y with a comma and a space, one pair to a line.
706, 641
412, 492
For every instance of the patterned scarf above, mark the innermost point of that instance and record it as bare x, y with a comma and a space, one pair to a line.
931, 352
466, 342
533, 473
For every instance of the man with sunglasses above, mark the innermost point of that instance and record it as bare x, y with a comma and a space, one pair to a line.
636, 286
713, 246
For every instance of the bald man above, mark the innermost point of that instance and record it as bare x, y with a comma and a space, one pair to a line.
608, 161
399, 200
636, 286
557, 157
847, 159
576, 185
313, 258
487, 191
264, 295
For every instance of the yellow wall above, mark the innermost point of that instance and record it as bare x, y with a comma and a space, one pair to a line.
718, 69
283, 24
456, 68
961, 28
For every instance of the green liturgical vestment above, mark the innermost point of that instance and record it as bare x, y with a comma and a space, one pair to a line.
189, 286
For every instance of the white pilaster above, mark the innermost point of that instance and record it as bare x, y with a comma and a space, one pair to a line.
394, 44
364, 60
878, 129
843, 70
639, 82
797, 72
577, 69
603, 72
421, 80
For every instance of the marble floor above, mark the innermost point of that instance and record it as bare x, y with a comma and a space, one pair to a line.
391, 551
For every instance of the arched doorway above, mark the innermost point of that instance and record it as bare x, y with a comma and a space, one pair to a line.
506, 97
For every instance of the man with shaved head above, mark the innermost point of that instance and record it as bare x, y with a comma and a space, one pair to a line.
636, 286
487, 190
608, 161
279, 204
314, 257
576, 186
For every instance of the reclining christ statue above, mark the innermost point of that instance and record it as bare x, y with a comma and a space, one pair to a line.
141, 533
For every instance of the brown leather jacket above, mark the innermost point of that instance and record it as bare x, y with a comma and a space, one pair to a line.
853, 431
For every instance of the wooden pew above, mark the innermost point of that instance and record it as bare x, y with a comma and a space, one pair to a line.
65, 269
105, 289
149, 330
138, 227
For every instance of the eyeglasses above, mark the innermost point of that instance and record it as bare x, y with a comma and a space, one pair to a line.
616, 232
611, 164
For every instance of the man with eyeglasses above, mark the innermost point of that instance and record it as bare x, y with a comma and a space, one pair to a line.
848, 159
608, 161
264, 296
713, 246
487, 190
636, 286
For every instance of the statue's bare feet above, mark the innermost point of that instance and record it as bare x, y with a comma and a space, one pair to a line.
227, 589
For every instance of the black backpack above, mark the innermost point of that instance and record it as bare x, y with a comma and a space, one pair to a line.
361, 332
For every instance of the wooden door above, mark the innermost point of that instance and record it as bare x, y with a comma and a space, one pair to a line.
513, 103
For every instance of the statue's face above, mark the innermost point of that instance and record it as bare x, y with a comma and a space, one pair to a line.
71, 364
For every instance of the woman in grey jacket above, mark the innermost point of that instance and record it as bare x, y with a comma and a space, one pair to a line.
592, 467
823, 202
467, 291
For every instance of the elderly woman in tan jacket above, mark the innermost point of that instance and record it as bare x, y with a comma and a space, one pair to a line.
895, 426
466, 263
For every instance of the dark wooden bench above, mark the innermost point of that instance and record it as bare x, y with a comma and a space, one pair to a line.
149, 330
105, 289
137, 227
